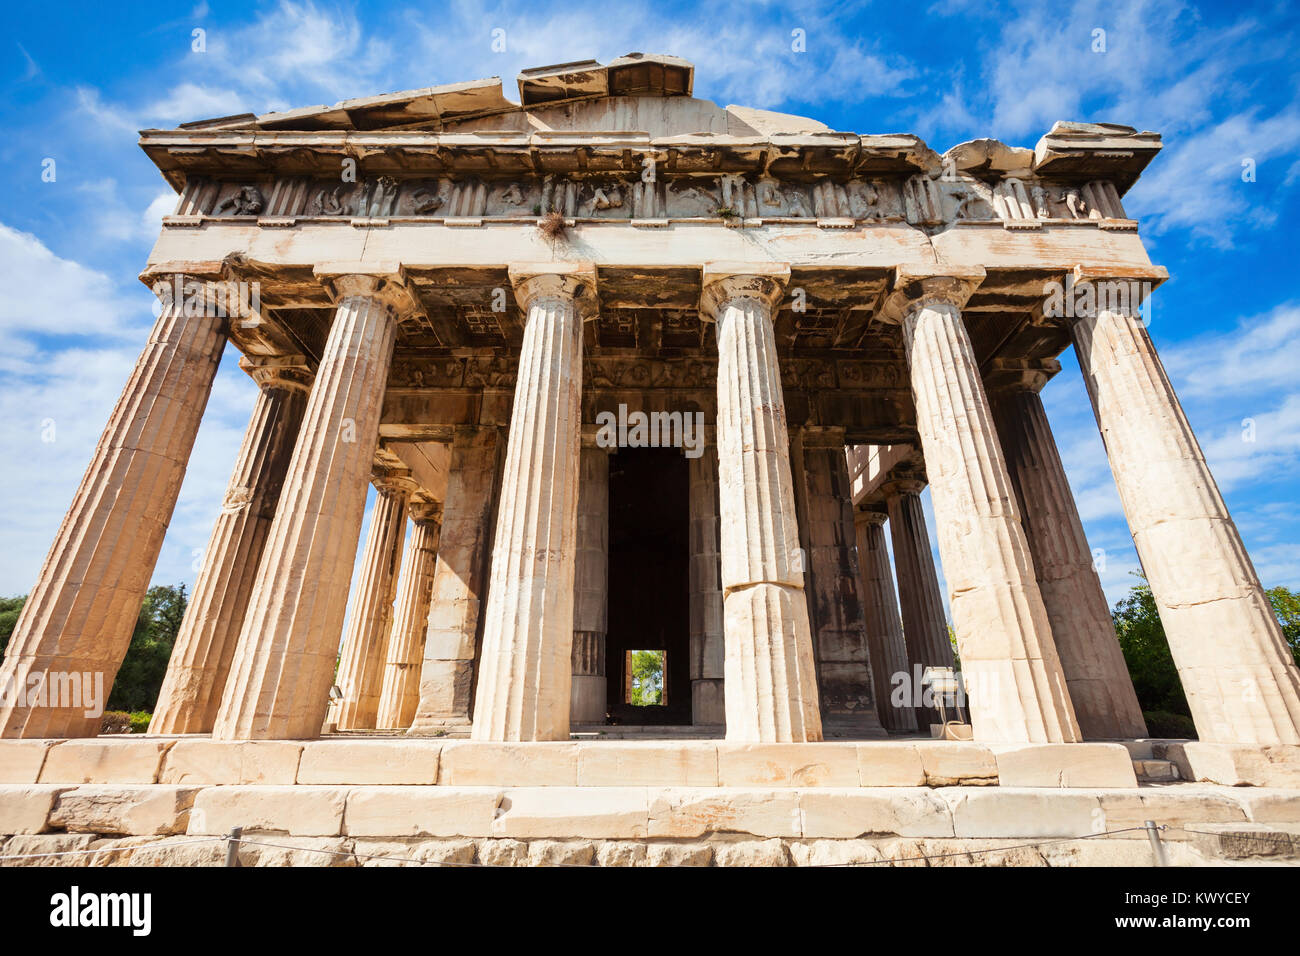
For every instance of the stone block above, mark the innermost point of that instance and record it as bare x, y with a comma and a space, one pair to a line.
421, 811
503, 853
25, 808
561, 853
1174, 807
1023, 813
475, 763
896, 811
788, 765
751, 853
1269, 806
369, 762
700, 812
1064, 765
105, 761
952, 763
298, 811
620, 853
447, 852
232, 762
140, 810
679, 854
21, 760
648, 764
596, 813
890, 765
1237, 765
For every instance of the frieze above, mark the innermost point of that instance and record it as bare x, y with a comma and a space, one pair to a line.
923, 199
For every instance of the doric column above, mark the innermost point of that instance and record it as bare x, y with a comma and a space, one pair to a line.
707, 641
284, 664
1099, 682
526, 669
77, 622
771, 683
884, 627
591, 589
205, 645
1241, 682
459, 583
925, 629
401, 686
1016, 688
823, 496
360, 675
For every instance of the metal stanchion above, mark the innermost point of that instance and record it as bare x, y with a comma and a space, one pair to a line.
1157, 847
232, 846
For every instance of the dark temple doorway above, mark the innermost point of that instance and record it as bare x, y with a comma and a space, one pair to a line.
649, 599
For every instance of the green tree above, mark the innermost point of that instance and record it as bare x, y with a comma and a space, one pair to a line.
141, 675
1286, 605
9, 608
647, 678
1146, 652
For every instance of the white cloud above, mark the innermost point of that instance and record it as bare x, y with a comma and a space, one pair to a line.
190, 101
48, 294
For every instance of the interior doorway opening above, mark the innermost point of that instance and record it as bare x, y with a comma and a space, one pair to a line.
649, 587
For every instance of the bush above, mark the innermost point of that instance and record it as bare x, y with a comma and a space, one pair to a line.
140, 721
115, 722
1162, 723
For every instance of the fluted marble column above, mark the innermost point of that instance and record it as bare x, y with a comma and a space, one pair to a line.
1241, 682
400, 694
771, 683
526, 670
925, 629
708, 651
1017, 690
1100, 687
360, 675
284, 663
205, 645
824, 497
884, 626
83, 608
459, 583
591, 589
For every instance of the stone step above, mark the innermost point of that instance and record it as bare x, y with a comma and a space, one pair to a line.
1263, 842
1151, 770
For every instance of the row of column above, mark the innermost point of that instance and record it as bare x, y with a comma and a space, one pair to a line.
1003, 563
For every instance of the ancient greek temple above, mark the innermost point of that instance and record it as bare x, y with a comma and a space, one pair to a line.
629, 371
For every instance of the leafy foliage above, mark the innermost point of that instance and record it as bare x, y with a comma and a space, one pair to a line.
1286, 605
141, 675
647, 678
1146, 652
9, 608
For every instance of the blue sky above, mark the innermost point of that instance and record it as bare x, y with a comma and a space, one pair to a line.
1219, 81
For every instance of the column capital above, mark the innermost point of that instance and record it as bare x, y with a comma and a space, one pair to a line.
394, 481
869, 516
724, 281
902, 486
920, 285
1121, 289
278, 371
385, 282
567, 280
1019, 375
422, 511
